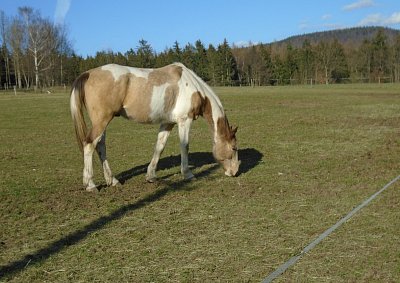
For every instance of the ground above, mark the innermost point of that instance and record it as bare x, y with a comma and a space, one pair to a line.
309, 156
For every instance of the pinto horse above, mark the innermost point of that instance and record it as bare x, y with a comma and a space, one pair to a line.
169, 95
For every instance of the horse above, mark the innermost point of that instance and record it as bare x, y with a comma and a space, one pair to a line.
169, 95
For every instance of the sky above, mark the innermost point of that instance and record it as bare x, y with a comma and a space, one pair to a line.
118, 25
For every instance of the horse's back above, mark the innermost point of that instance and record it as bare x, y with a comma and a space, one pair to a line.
162, 95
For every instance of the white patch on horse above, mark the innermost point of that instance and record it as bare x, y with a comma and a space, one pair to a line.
183, 103
157, 114
118, 70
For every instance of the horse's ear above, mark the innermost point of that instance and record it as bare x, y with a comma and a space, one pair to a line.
234, 129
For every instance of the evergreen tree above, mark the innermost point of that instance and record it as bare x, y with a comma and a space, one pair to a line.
339, 63
396, 59
213, 65
103, 58
130, 57
177, 52
364, 60
188, 56
165, 58
291, 63
268, 67
145, 57
201, 61
306, 62
280, 71
72, 68
228, 67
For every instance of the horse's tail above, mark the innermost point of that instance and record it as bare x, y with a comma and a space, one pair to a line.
77, 102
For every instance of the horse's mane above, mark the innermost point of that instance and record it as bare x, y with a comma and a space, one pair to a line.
200, 85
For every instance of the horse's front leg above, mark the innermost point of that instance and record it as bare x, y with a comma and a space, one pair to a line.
184, 128
163, 134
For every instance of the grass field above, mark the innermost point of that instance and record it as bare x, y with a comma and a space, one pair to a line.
309, 156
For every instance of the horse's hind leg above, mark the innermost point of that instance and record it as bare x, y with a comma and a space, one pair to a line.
88, 150
101, 150
92, 140
163, 134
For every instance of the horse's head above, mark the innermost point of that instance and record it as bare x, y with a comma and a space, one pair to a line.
225, 149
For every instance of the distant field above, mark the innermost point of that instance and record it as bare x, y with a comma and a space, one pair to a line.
309, 156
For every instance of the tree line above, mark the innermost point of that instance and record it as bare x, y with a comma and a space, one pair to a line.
326, 61
36, 53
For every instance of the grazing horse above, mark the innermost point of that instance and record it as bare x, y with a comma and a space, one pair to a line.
169, 95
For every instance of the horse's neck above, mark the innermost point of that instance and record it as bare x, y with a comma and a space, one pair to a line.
214, 114
212, 107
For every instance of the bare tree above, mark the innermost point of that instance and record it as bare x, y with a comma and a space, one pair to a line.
17, 44
43, 41
3, 31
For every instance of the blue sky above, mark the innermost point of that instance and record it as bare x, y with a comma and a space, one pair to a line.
95, 25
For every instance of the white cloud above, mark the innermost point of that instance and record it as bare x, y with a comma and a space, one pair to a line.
373, 19
394, 19
61, 11
326, 17
307, 26
358, 5
243, 43
333, 26
304, 25
379, 19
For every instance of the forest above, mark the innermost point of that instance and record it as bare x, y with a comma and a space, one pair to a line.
37, 54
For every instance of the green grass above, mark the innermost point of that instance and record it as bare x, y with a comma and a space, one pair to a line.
310, 155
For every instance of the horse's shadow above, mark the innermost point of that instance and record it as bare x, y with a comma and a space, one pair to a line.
250, 157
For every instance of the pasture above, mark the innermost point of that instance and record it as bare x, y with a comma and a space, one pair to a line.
309, 156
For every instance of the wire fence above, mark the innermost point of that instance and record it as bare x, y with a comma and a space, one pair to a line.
312, 81
236, 83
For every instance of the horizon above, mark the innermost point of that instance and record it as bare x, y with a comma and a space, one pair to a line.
161, 24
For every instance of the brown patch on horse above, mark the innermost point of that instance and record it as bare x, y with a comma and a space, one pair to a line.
171, 94
196, 107
103, 99
168, 74
225, 131
137, 102
207, 111
227, 140
104, 96
200, 106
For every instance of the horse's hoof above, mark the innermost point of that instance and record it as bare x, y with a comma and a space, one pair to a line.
151, 179
189, 177
115, 183
92, 189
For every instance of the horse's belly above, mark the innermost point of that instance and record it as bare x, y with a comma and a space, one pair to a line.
145, 116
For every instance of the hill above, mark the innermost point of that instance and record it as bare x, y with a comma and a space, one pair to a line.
347, 37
